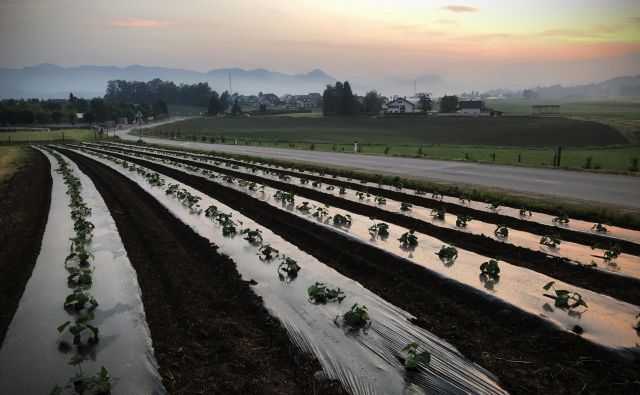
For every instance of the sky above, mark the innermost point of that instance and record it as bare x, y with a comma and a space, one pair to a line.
510, 43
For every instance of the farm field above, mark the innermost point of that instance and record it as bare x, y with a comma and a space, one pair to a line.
305, 279
42, 136
527, 141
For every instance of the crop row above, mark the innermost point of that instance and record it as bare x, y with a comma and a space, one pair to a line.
408, 240
80, 303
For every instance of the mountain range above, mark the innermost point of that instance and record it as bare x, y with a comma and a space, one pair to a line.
47, 81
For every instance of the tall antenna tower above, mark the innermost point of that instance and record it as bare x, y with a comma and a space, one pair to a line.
230, 90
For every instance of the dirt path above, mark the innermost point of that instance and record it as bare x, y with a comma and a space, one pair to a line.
210, 332
24, 209
526, 353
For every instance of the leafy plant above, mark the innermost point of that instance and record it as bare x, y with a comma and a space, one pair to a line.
408, 239
80, 299
211, 211
252, 235
501, 231
80, 328
611, 251
490, 268
288, 268
524, 212
355, 319
319, 293
551, 240
564, 298
379, 229
404, 206
447, 252
462, 220
342, 191
316, 184
304, 207
439, 213
599, 228
380, 200
360, 195
420, 192
415, 358
268, 252
463, 199
304, 181
100, 384
285, 197
562, 219
342, 220
437, 195
79, 276
495, 206
330, 188
320, 212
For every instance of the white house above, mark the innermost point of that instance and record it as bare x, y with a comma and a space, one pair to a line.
400, 105
471, 106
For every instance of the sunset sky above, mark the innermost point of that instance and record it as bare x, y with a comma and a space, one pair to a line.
503, 42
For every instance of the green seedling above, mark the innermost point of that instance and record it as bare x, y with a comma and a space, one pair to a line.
420, 192
268, 252
255, 187
599, 228
172, 189
439, 213
285, 197
100, 384
495, 206
355, 319
462, 220
448, 253
304, 207
229, 179
408, 239
288, 268
611, 251
380, 200
404, 206
252, 235
330, 188
154, 179
304, 181
80, 328
342, 220
316, 184
552, 240
319, 293
80, 299
525, 212
437, 195
463, 199
490, 268
562, 219
415, 358
284, 177
79, 276
360, 195
379, 229
501, 231
342, 191
211, 211
320, 212
564, 298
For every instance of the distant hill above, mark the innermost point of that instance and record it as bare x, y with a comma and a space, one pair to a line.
628, 86
51, 81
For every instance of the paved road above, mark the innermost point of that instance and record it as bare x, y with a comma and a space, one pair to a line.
600, 188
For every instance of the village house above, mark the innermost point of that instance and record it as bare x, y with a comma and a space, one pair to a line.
400, 106
471, 106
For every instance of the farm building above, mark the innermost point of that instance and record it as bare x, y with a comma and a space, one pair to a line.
400, 105
546, 109
471, 106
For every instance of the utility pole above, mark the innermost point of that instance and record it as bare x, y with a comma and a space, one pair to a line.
415, 91
230, 90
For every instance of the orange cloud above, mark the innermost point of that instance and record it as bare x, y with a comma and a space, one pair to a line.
459, 8
138, 22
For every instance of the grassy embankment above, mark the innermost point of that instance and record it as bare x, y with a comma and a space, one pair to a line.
26, 137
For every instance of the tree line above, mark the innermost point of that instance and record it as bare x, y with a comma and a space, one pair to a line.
46, 112
157, 90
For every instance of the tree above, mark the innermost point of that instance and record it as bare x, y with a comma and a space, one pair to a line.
373, 102
347, 105
426, 103
57, 116
215, 105
235, 109
329, 100
529, 94
160, 107
224, 101
449, 103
